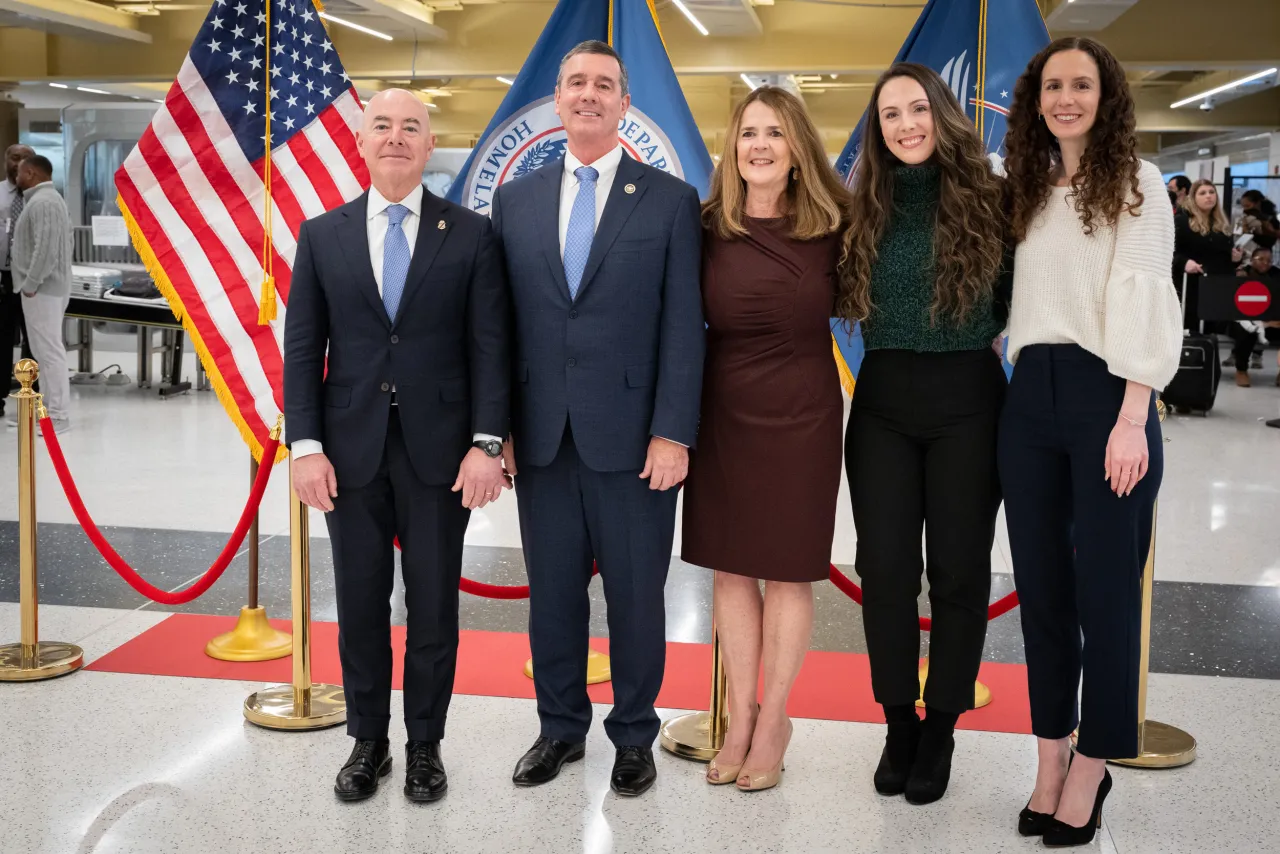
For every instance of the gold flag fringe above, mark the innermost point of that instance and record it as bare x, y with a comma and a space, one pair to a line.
161, 278
847, 382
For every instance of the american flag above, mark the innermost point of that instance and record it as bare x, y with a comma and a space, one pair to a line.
193, 191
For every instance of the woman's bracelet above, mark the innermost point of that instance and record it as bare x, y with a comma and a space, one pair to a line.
1132, 422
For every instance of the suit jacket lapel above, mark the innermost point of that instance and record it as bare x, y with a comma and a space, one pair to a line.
549, 225
353, 238
617, 210
430, 238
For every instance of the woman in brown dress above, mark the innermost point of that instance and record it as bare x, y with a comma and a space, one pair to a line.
760, 499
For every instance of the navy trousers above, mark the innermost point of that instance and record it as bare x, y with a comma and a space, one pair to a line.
1078, 549
571, 516
431, 524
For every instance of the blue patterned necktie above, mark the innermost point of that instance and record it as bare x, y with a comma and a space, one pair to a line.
395, 260
582, 229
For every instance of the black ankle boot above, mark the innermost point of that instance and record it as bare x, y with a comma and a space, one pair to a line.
931, 770
899, 749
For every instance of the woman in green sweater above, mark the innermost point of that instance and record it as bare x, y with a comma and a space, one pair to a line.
921, 261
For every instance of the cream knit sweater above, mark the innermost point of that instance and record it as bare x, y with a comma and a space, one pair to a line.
1111, 292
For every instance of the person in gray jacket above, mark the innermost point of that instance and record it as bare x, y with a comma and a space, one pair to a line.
41, 261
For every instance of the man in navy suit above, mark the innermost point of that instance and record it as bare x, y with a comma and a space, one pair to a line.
398, 435
603, 256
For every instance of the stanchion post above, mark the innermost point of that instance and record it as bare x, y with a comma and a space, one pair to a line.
253, 638
981, 693
31, 660
300, 705
700, 735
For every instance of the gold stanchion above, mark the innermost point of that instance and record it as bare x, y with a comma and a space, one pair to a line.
1159, 745
253, 638
981, 693
31, 659
598, 668
300, 705
700, 735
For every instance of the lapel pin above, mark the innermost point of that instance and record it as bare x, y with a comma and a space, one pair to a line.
440, 225
629, 189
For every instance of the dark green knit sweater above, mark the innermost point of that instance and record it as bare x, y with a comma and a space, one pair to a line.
902, 284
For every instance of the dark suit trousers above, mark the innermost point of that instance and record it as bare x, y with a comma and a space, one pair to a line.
920, 454
430, 522
1078, 549
11, 324
570, 515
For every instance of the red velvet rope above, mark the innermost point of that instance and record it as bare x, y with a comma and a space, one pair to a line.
998, 608
497, 591
136, 581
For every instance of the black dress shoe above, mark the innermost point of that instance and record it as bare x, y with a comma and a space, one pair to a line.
931, 771
358, 779
425, 780
1032, 823
900, 745
633, 771
542, 762
1059, 834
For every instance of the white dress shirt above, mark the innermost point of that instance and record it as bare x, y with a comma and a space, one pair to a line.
8, 194
378, 223
607, 166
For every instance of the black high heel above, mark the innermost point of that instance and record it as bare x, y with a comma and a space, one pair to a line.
1062, 835
1032, 823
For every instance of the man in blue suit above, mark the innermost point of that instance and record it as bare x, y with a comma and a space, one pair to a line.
396, 393
603, 258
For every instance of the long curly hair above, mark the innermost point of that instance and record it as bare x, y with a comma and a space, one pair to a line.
815, 199
968, 244
1106, 184
1205, 222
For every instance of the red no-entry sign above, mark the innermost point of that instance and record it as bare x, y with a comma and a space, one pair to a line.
1253, 298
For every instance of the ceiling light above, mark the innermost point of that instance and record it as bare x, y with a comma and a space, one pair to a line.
747, 80
91, 91
506, 80
60, 85
1221, 89
347, 23
692, 18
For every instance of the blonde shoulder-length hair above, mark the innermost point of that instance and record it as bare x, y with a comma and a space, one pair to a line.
1202, 222
816, 201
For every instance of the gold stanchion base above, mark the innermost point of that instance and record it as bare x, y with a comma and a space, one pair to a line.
597, 668
981, 693
276, 708
253, 639
689, 737
51, 659
1163, 746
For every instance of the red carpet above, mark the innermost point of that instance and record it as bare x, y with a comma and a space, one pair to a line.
832, 685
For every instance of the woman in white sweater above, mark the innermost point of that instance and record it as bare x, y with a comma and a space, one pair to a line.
1094, 329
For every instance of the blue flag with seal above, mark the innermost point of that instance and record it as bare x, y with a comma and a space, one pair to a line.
526, 133
980, 47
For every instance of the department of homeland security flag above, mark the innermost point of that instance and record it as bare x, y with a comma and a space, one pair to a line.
980, 47
526, 133
194, 192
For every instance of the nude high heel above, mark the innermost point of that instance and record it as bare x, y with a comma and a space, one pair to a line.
758, 782
724, 773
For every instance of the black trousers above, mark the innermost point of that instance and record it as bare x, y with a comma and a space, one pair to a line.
1078, 549
430, 522
921, 457
11, 324
1246, 341
571, 515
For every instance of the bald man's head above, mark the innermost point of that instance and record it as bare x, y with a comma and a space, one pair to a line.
13, 157
396, 142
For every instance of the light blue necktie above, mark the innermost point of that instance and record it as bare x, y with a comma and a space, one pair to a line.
582, 229
395, 260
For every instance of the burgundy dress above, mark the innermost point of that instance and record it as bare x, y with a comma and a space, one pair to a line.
760, 499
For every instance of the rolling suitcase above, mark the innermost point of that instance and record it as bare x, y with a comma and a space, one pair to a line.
1195, 385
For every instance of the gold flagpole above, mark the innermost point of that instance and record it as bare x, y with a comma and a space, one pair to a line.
267, 305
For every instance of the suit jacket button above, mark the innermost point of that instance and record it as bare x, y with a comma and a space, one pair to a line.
386, 386
395, 339
573, 315
573, 362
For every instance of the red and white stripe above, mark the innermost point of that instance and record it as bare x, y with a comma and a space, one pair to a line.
199, 202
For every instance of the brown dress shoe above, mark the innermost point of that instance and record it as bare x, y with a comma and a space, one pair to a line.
1242, 379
